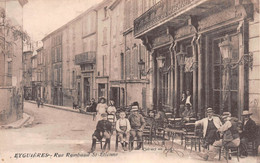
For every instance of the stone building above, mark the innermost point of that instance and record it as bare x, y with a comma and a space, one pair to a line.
11, 69
207, 47
103, 51
138, 64
27, 70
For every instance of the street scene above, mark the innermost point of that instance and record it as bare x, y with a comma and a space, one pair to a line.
129, 81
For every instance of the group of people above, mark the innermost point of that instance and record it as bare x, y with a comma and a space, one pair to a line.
186, 105
127, 128
225, 133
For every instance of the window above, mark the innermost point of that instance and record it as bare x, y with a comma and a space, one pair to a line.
128, 63
122, 65
225, 81
134, 65
105, 36
73, 79
105, 12
9, 70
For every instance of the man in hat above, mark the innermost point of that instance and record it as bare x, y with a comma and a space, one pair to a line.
229, 130
137, 124
103, 130
248, 132
210, 125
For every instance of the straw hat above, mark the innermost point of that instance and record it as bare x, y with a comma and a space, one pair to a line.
246, 112
134, 108
226, 115
210, 110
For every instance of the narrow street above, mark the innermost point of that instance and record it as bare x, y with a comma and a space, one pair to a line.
61, 135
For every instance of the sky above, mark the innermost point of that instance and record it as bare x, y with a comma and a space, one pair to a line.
41, 17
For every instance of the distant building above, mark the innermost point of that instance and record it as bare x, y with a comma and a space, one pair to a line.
27, 71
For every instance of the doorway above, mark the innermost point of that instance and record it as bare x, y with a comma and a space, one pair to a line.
86, 90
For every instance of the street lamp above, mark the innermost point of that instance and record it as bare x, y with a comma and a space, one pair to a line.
160, 61
141, 65
181, 56
226, 54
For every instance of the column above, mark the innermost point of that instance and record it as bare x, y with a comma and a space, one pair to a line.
200, 76
172, 93
154, 80
176, 68
194, 75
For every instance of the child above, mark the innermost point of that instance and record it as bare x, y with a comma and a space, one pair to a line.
123, 128
103, 130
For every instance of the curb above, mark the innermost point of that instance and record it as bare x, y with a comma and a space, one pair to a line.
80, 111
17, 124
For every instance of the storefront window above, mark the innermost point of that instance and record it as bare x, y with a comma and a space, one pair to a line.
225, 81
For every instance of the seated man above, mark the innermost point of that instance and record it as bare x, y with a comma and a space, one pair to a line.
230, 137
123, 128
248, 132
210, 126
103, 130
137, 124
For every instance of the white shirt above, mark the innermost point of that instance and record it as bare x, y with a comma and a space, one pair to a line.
188, 100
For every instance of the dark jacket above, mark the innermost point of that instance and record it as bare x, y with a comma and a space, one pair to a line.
249, 130
92, 107
137, 121
104, 125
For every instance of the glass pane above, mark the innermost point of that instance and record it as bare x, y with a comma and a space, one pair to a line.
234, 103
216, 102
217, 55
234, 79
235, 48
217, 77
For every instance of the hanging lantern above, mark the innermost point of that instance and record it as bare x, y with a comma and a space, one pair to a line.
160, 61
181, 56
226, 49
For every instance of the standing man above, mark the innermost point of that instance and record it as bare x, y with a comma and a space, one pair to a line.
103, 130
210, 126
248, 132
137, 124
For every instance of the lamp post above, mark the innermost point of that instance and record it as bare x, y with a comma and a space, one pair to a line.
141, 65
181, 61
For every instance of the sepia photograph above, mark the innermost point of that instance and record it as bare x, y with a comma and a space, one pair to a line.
126, 81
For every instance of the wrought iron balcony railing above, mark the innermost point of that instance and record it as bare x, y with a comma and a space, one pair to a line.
86, 57
158, 13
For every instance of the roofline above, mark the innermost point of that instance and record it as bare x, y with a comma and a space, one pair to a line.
114, 4
92, 8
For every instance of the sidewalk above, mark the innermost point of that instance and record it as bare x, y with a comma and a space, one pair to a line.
19, 123
66, 108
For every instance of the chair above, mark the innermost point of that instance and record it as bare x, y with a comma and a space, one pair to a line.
228, 151
111, 118
190, 137
147, 133
135, 140
252, 147
101, 143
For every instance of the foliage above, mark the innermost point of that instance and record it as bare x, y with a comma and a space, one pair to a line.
10, 33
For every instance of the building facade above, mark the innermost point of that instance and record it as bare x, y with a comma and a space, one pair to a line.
11, 68
205, 47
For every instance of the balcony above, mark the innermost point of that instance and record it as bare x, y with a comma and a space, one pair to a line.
175, 13
86, 57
